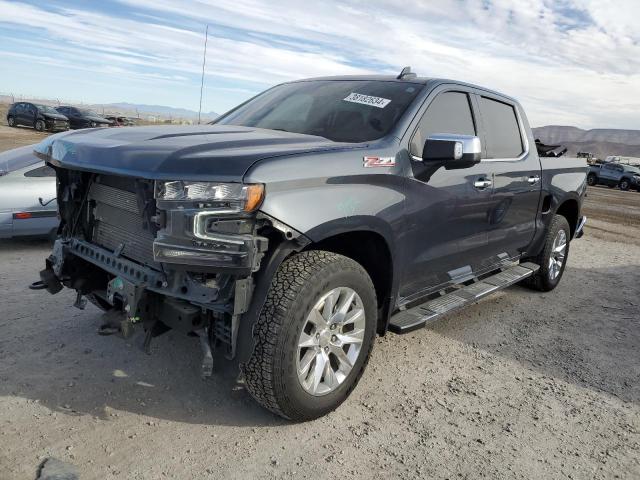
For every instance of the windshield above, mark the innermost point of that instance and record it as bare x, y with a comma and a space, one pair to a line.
47, 109
634, 170
340, 110
88, 112
17, 158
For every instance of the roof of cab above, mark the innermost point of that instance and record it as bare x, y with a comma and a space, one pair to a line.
416, 80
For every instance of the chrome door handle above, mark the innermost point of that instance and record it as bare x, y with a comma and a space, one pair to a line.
532, 180
482, 183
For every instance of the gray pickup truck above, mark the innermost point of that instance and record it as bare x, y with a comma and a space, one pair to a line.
614, 175
302, 223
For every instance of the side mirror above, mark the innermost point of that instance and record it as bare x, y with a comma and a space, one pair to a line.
455, 151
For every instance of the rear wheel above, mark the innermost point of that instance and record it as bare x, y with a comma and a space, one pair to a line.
313, 336
592, 180
553, 257
11, 121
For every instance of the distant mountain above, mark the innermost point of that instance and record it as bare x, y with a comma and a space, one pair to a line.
602, 142
160, 110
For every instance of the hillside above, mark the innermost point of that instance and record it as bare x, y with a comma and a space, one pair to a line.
159, 110
156, 112
599, 141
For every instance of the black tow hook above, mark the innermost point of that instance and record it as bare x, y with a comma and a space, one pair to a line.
39, 285
49, 280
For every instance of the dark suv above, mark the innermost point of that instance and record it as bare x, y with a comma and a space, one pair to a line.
40, 117
83, 117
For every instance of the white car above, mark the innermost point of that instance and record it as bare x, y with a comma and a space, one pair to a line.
27, 195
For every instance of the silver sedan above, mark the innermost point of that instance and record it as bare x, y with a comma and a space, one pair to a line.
27, 195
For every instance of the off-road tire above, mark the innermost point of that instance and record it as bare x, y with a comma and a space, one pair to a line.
541, 280
11, 121
592, 180
270, 375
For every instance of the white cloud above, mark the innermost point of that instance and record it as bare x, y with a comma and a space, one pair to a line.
568, 61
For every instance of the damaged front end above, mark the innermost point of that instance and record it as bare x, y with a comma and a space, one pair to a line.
160, 255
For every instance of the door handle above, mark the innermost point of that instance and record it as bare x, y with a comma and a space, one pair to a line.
482, 183
532, 180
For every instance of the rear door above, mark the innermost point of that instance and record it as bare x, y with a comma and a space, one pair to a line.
516, 176
21, 114
610, 173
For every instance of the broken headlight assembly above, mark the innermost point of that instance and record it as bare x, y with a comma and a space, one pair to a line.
208, 224
224, 197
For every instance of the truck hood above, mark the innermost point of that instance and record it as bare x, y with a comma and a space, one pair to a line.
203, 152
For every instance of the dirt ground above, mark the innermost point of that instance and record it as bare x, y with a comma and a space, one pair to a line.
521, 385
17, 137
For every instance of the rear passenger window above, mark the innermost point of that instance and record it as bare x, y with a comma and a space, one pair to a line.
449, 112
44, 171
503, 138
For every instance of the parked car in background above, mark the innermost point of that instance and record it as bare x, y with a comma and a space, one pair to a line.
614, 175
83, 117
40, 117
27, 195
118, 121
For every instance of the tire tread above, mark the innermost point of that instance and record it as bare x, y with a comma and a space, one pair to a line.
290, 279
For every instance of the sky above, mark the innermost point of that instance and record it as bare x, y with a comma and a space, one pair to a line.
569, 62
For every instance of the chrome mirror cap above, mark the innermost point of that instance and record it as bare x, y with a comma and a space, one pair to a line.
452, 149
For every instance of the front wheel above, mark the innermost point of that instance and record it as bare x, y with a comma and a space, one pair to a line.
40, 126
553, 257
624, 184
313, 336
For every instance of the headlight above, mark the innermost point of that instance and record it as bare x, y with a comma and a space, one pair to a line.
231, 196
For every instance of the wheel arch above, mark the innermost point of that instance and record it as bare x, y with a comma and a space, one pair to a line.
570, 209
371, 250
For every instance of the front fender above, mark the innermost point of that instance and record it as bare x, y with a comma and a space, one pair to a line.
323, 210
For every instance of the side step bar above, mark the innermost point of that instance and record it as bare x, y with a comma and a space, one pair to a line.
417, 317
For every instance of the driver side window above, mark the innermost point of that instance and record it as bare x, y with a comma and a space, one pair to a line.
449, 112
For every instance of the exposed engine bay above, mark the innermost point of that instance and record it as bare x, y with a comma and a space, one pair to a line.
153, 258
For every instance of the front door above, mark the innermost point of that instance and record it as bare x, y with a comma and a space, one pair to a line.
447, 210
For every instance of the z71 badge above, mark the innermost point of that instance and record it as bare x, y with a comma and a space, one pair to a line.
379, 162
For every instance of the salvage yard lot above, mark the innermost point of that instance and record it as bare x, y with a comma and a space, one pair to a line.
521, 385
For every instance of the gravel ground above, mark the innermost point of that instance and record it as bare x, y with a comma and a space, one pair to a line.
521, 385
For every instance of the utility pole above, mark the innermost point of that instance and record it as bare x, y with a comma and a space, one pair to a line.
204, 62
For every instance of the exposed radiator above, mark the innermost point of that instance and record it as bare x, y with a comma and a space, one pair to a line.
118, 220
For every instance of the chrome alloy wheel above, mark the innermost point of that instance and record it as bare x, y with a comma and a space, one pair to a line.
330, 341
558, 254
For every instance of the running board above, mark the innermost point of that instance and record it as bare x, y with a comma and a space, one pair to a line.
417, 317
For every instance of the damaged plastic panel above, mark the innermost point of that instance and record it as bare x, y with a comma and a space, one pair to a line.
187, 269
